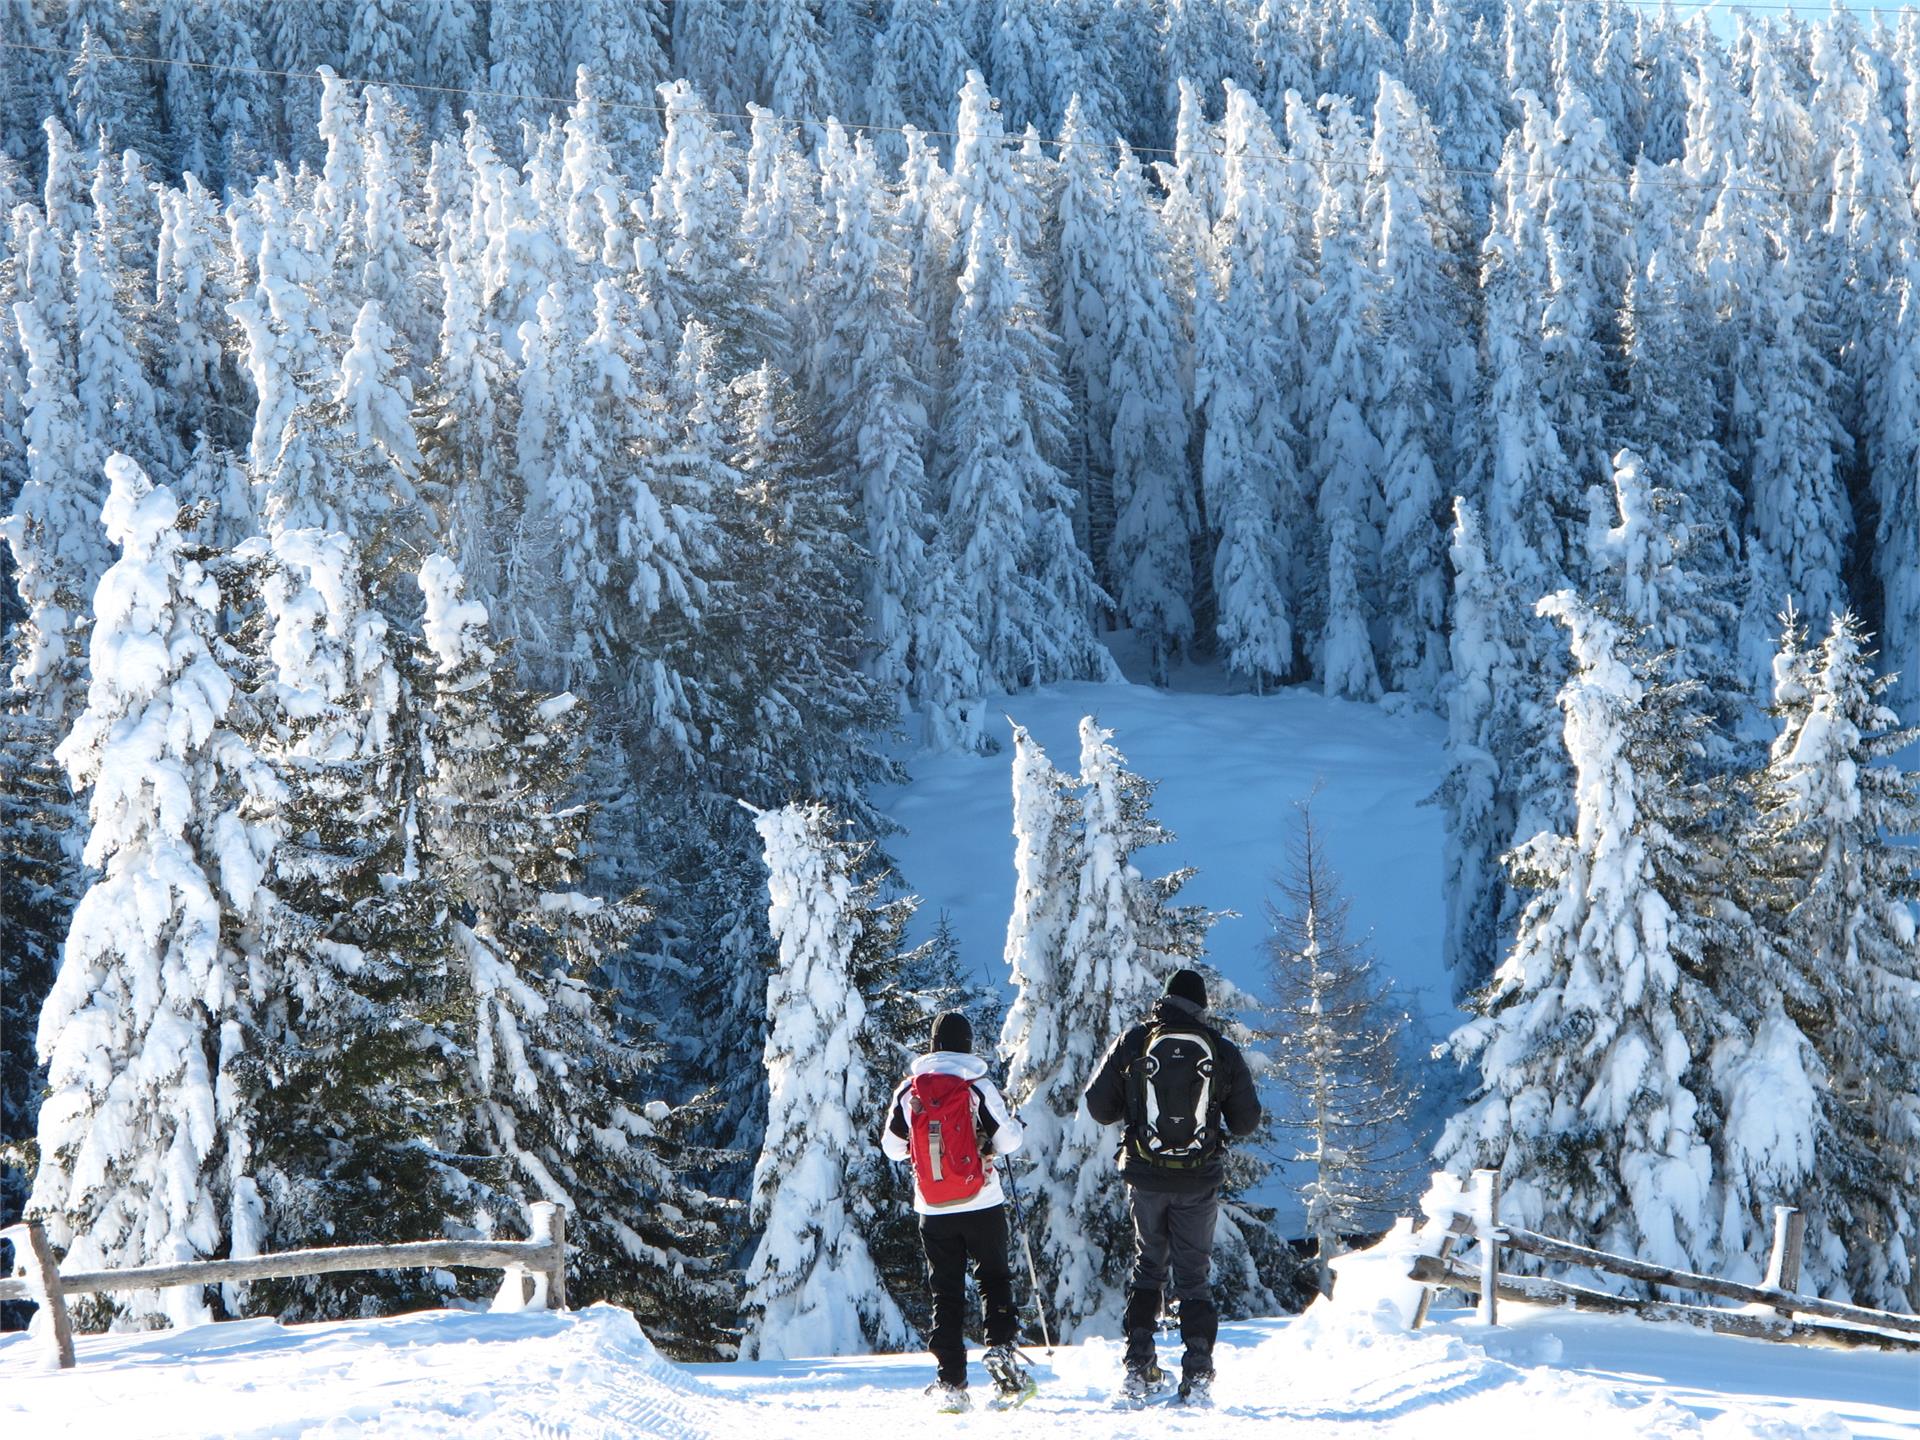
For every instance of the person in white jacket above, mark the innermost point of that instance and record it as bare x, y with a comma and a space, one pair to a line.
962, 1209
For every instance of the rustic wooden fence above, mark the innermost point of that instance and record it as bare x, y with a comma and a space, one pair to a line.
1775, 1302
38, 1280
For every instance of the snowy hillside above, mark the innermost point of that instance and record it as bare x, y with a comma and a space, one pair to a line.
591, 1374
1231, 768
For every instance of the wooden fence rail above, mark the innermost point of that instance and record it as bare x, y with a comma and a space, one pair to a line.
544, 1256
1538, 1290
1440, 1269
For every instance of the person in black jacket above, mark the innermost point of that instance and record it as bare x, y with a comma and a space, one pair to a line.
1174, 1198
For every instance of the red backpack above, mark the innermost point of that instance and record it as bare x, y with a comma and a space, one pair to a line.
947, 1164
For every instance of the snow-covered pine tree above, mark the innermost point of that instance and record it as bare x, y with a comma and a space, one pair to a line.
696, 207
1799, 519
791, 64
876, 403
64, 187
1124, 936
551, 1080
1024, 55
1661, 49
926, 219
791, 712
704, 39
1282, 54
353, 1123
1247, 363
284, 327
239, 97
347, 457
449, 40
1593, 1096
1829, 809
469, 416
667, 546
1416, 305
381, 40
1346, 452
1867, 234
1672, 408
1583, 215
1479, 807
1341, 1051
527, 61
1452, 67
393, 267
1356, 49
1195, 182
1896, 456
621, 47
1534, 510
110, 350
1155, 519
52, 531
41, 823
1534, 497
1078, 231
781, 230
598, 219
563, 453
1046, 819
1007, 506
141, 1158
802, 714
197, 369
26, 87
812, 1286
1645, 559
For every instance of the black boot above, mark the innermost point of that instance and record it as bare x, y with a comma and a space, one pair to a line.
1137, 1322
1199, 1329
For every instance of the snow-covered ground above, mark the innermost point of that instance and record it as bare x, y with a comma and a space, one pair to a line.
1231, 768
591, 1374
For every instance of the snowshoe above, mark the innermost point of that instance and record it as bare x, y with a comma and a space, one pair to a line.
949, 1399
1142, 1385
1013, 1382
1197, 1390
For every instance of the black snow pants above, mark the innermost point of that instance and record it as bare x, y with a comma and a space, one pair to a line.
950, 1241
1172, 1229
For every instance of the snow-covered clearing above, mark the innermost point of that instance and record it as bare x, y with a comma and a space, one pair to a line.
1230, 768
592, 1374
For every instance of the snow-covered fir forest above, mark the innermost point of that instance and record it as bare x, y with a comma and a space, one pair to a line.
491, 488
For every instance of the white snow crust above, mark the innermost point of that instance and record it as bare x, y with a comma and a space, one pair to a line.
591, 1374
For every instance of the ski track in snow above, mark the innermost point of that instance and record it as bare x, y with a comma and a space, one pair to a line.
591, 1375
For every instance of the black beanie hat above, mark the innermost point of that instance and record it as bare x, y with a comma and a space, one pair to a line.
1187, 985
952, 1031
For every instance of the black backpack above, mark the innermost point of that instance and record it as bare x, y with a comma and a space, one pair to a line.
1172, 1097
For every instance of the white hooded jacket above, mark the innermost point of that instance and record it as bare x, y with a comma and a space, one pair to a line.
995, 1126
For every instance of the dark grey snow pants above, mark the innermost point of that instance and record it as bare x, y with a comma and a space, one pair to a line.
1173, 1231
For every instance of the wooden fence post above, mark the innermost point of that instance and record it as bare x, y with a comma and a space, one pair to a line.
548, 1221
44, 1276
1487, 1204
1783, 1264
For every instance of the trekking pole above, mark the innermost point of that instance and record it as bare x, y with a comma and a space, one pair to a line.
1033, 1271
